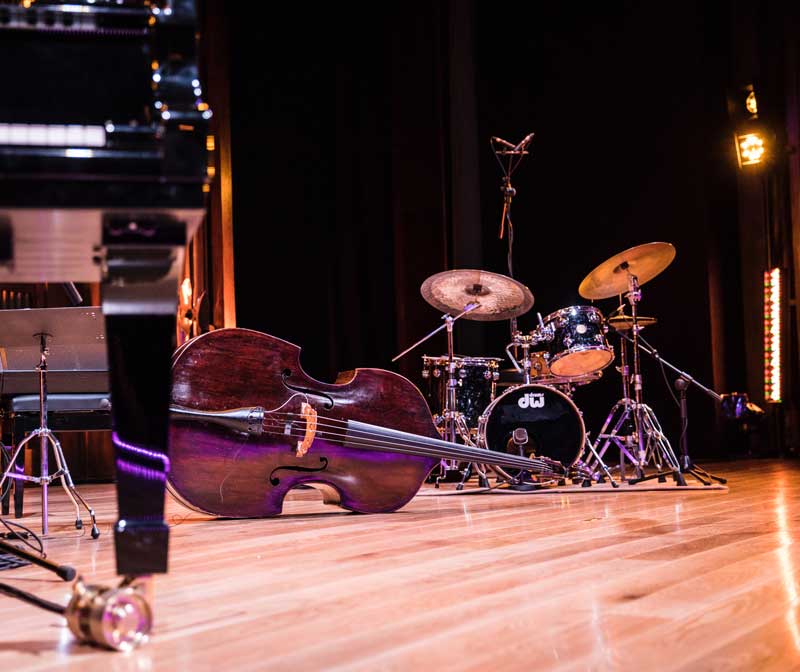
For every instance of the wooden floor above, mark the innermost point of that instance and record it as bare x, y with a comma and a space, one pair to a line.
633, 580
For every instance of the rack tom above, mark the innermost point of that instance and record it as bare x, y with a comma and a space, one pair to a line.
576, 341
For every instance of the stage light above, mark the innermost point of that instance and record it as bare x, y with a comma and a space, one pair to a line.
773, 299
751, 103
750, 149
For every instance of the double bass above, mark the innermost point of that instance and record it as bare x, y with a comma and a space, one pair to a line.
248, 425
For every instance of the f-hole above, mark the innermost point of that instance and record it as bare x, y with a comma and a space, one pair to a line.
324, 399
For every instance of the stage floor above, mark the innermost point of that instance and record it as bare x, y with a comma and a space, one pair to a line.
588, 581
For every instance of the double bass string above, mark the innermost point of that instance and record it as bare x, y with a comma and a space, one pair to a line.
383, 441
507, 460
363, 439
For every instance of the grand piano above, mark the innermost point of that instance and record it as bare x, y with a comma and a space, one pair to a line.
103, 179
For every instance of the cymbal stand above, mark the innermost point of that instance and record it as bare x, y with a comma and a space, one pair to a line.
597, 461
648, 439
454, 424
47, 439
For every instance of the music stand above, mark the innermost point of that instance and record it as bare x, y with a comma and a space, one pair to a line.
73, 339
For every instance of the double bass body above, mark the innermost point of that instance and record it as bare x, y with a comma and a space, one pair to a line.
238, 470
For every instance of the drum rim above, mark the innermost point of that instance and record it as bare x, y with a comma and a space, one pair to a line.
462, 358
583, 348
562, 380
581, 308
483, 419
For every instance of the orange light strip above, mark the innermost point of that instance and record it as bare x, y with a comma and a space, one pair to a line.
772, 335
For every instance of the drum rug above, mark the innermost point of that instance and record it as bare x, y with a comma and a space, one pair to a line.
692, 485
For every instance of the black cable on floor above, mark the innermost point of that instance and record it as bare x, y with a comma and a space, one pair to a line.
30, 598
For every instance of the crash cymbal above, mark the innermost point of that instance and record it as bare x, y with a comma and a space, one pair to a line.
499, 296
625, 322
611, 277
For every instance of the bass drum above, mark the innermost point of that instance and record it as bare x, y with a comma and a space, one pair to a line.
551, 420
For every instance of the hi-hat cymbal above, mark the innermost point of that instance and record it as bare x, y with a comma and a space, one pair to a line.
611, 277
499, 297
625, 322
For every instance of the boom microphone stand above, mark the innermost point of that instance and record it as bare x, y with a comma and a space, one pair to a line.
514, 155
682, 383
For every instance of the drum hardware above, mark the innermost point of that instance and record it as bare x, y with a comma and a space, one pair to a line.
626, 272
597, 461
475, 295
452, 426
682, 383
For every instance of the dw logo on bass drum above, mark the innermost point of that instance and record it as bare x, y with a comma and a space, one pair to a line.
531, 400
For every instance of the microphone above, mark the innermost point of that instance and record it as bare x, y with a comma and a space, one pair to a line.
500, 141
65, 572
524, 142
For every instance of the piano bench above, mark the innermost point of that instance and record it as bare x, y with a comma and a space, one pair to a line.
65, 413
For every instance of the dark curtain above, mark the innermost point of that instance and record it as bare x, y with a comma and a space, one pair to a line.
362, 167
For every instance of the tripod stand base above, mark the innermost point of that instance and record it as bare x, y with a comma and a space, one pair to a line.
661, 476
62, 473
702, 475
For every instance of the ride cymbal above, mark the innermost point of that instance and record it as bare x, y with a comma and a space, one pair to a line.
611, 277
499, 297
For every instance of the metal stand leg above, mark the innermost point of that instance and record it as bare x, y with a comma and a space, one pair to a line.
622, 411
687, 466
46, 440
597, 460
658, 449
69, 488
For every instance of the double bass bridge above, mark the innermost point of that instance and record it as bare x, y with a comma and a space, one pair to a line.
310, 416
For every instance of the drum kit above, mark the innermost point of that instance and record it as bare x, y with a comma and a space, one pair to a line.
528, 409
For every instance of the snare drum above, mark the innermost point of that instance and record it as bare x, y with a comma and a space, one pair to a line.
551, 420
477, 379
578, 344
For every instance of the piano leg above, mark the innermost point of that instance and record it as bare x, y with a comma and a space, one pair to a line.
140, 348
140, 304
